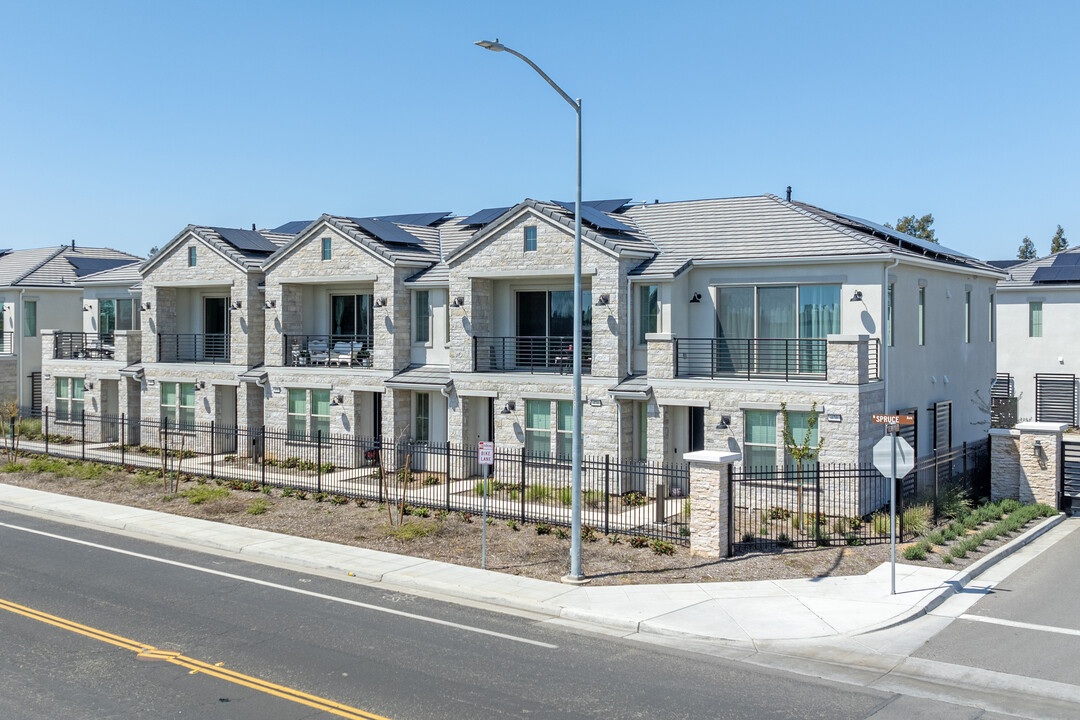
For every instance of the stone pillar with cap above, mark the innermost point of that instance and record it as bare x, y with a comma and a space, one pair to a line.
709, 502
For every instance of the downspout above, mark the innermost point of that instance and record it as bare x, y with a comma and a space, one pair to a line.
629, 329
884, 334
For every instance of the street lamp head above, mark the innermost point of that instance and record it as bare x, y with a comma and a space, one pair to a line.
489, 45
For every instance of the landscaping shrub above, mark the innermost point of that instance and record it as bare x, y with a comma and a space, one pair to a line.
588, 534
565, 495
947, 559
638, 541
684, 531
917, 519
915, 552
936, 538
662, 547
846, 525
634, 499
879, 521
614, 540
748, 537
592, 498
431, 480
853, 539
11, 467
1009, 505
536, 493
413, 529
562, 533
339, 500
784, 541
258, 506
513, 525
203, 494
543, 528
954, 502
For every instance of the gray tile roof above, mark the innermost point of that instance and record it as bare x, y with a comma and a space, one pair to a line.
426, 251
52, 267
421, 376
753, 228
633, 386
1020, 274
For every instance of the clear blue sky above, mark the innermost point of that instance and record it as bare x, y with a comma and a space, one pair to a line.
121, 122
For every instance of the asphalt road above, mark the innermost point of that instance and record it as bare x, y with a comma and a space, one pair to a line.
233, 639
997, 634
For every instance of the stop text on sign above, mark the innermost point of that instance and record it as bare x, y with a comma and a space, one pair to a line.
894, 419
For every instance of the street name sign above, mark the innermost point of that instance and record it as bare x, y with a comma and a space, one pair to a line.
893, 419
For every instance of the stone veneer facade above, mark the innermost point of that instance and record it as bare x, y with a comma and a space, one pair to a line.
1022, 470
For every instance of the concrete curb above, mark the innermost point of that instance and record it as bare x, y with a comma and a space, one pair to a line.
962, 577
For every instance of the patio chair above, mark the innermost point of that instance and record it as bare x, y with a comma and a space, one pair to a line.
318, 352
344, 352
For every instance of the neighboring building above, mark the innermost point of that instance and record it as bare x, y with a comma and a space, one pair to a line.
44, 288
1038, 346
700, 319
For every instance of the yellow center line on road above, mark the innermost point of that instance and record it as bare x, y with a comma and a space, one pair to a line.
149, 652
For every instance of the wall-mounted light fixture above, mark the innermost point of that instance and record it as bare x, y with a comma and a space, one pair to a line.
201, 384
857, 296
90, 386
508, 408
145, 305
595, 402
380, 302
695, 298
269, 304
337, 400
604, 299
236, 304
86, 308
459, 301
725, 422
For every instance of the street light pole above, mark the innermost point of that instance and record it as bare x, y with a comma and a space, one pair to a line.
576, 575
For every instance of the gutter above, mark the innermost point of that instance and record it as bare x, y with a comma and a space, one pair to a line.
884, 330
19, 320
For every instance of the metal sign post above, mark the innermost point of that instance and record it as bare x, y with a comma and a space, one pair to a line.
893, 457
486, 457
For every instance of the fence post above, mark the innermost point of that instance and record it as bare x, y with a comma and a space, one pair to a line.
82, 432
382, 469
817, 503
213, 447
262, 454
522, 483
731, 510
448, 474
318, 460
937, 474
123, 435
607, 494
163, 426
46, 431
659, 503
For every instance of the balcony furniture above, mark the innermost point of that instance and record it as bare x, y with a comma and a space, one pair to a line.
347, 353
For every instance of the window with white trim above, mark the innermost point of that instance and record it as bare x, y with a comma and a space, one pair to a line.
530, 238
538, 427
648, 311
69, 399
967, 316
422, 417
422, 321
308, 414
178, 404
564, 428
922, 316
759, 446
889, 314
1035, 319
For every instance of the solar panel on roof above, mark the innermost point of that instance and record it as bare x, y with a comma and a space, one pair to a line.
1057, 274
909, 239
422, 219
1066, 259
386, 231
483, 217
87, 265
247, 240
596, 218
292, 227
604, 206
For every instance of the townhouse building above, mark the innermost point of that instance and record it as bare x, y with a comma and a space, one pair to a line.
701, 318
1038, 348
65, 287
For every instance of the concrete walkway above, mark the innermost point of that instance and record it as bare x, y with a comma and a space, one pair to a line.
739, 613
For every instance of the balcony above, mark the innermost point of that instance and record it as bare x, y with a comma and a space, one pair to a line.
751, 358
342, 351
84, 346
193, 347
536, 354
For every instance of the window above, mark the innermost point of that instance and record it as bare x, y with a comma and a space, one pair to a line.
191, 256
115, 315
642, 439
967, 316
993, 318
799, 423
351, 317
446, 328
29, 318
69, 399
1035, 323
423, 317
422, 418
308, 414
759, 451
564, 435
178, 404
326, 251
889, 314
922, 316
538, 427
648, 311
530, 238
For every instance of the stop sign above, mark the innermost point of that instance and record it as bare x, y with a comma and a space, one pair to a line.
905, 456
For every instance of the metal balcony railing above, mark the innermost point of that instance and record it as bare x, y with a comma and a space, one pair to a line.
7, 343
83, 346
751, 358
551, 354
328, 350
193, 347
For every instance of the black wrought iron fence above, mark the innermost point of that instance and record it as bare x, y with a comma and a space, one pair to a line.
648, 499
848, 504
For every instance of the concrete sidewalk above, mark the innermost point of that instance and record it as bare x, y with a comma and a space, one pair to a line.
738, 613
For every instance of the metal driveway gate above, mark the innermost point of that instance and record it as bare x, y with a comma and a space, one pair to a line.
1070, 477
1055, 398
